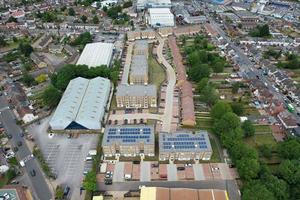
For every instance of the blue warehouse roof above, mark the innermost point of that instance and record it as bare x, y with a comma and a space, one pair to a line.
128, 135
184, 142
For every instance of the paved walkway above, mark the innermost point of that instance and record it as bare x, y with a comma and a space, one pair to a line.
145, 171
127, 64
166, 118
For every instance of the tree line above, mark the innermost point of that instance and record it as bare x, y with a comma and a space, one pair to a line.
60, 80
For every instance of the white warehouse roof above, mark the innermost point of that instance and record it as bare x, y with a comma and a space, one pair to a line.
160, 17
82, 105
96, 54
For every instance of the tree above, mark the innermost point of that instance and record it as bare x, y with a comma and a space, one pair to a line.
266, 151
289, 149
202, 84
237, 108
11, 19
51, 96
83, 18
248, 128
248, 168
277, 186
255, 190
95, 20
208, 95
235, 87
240, 150
289, 170
228, 122
25, 49
59, 193
82, 39
3, 43
90, 181
71, 12
218, 67
219, 109
41, 78
127, 4
28, 80
104, 8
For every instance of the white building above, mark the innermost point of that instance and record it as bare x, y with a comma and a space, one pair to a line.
145, 4
160, 17
96, 54
82, 105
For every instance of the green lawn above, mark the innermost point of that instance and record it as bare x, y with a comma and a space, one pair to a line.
156, 72
215, 158
261, 139
262, 129
204, 123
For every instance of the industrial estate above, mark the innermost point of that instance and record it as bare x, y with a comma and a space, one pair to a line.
149, 99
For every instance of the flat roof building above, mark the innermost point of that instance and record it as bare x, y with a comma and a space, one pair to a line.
184, 146
82, 105
136, 96
139, 70
96, 54
160, 17
145, 4
160, 193
129, 140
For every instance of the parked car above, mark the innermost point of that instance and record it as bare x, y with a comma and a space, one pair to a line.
180, 168
33, 173
19, 143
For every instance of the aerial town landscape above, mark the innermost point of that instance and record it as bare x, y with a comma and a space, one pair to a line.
150, 99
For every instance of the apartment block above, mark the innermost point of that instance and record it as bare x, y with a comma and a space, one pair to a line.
184, 146
136, 96
128, 141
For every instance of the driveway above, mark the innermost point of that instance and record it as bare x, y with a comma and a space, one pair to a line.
145, 171
172, 172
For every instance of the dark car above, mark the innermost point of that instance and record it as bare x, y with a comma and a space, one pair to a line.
19, 143
15, 149
32, 173
21, 134
180, 168
136, 162
9, 136
66, 191
108, 181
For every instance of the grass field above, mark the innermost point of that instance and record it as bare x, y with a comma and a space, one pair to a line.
156, 72
262, 129
204, 123
215, 158
261, 139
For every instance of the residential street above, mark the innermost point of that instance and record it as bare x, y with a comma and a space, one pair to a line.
38, 182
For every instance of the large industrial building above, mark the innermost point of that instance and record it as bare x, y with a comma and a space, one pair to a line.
82, 105
145, 4
136, 96
184, 146
129, 141
160, 17
139, 63
96, 54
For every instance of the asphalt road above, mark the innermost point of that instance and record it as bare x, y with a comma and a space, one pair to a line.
228, 185
38, 182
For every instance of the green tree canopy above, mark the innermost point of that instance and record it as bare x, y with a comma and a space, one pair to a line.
51, 96
220, 109
289, 149
255, 190
248, 128
90, 181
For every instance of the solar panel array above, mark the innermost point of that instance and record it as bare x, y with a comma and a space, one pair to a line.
184, 142
129, 134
